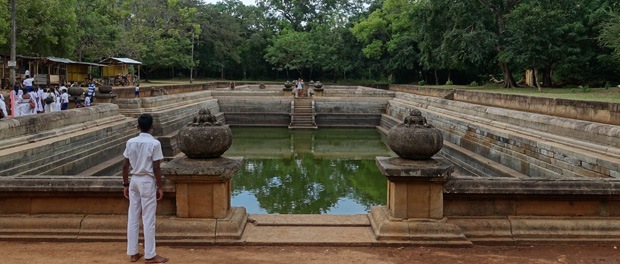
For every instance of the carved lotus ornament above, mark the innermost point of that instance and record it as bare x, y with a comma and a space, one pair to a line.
204, 137
415, 138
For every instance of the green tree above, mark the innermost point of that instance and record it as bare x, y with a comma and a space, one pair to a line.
542, 34
161, 33
302, 15
220, 37
99, 30
5, 25
290, 50
46, 27
610, 35
498, 11
389, 37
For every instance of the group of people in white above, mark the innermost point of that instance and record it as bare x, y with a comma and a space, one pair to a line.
29, 99
299, 86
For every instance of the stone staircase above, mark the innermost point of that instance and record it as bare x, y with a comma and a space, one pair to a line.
302, 114
65, 142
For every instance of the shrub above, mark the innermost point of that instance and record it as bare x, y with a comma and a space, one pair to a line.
421, 83
449, 82
474, 83
585, 88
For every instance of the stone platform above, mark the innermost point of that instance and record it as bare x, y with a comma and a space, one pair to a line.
309, 230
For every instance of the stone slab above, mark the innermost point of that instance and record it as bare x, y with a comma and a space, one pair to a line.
196, 169
399, 169
308, 220
415, 231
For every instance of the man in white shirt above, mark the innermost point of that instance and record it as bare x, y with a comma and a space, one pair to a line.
28, 83
63, 88
64, 100
144, 154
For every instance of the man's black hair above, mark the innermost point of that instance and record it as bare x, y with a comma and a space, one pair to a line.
145, 122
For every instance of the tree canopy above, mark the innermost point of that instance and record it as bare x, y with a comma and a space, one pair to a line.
406, 41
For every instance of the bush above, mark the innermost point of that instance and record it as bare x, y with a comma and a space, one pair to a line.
585, 88
474, 83
449, 82
421, 83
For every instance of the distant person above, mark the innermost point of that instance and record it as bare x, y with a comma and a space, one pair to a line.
34, 97
87, 101
15, 96
3, 112
143, 153
57, 96
91, 90
300, 86
64, 100
50, 101
24, 103
63, 88
28, 83
27, 72
40, 107
79, 103
137, 90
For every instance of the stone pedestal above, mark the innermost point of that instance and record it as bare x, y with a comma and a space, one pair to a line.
414, 211
104, 98
203, 191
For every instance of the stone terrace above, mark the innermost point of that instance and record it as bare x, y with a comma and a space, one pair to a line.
527, 176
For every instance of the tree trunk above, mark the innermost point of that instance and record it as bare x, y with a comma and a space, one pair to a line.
509, 81
536, 83
222, 72
436, 78
547, 73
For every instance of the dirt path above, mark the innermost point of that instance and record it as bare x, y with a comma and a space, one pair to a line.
49, 253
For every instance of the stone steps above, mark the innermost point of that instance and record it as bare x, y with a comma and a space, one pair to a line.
69, 153
302, 116
109, 168
525, 150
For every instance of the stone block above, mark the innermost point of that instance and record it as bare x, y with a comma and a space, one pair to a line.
414, 231
557, 208
564, 229
454, 207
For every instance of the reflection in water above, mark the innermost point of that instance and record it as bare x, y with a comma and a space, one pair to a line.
326, 171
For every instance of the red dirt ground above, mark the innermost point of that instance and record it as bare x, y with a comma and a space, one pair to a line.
95, 252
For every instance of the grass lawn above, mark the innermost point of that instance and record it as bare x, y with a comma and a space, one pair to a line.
611, 94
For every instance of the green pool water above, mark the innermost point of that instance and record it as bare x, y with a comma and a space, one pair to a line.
325, 171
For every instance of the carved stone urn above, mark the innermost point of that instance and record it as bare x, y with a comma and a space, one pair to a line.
105, 89
205, 137
318, 86
75, 91
414, 138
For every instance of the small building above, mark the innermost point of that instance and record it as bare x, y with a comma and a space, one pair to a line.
121, 71
49, 70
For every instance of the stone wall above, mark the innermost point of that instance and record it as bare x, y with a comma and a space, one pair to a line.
71, 195
601, 112
361, 111
535, 145
254, 108
172, 112
63, 143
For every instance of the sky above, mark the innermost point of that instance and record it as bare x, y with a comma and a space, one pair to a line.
245, 2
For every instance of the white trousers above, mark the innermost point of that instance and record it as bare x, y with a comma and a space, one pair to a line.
142, 200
